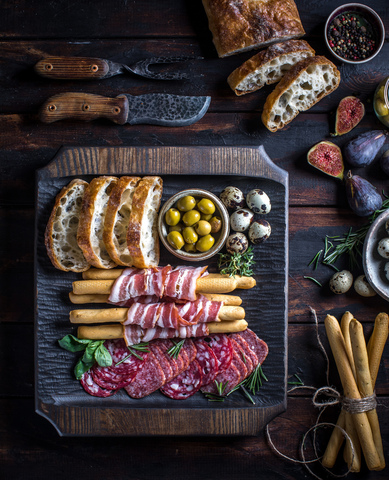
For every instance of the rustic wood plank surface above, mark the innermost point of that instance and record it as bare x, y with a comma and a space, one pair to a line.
126, 32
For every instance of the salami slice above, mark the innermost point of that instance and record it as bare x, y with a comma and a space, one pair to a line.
222, 348
256, 344
130, 365
107, 378
243, 356
190, 348
239, 364
247, 351
149, 379
163, 361
207, 360
165, 345
228, 379
91, 387
184, 385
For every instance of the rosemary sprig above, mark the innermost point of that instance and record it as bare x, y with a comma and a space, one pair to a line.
237, 263
299, 382
175, 350
217, 397
254, 380
141, 347
314, 280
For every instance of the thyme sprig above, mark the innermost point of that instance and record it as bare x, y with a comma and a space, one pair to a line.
299, 382
141, 347
176, 348
236, 263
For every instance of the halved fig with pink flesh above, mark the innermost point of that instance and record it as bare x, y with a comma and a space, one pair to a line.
349, 113
327, 157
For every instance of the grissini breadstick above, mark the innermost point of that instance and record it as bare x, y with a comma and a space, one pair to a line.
101, 274
350, 388
335, 442
364, 382
228, 300
376, 344
345, 327
119, 314
108, 332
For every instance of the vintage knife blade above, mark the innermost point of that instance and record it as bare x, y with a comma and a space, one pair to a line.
154, 109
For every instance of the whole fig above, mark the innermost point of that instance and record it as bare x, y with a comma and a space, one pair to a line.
327, 157
362, 196
362, 150
384, 162
349, 113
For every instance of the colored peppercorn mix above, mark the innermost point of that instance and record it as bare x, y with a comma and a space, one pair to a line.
350, 37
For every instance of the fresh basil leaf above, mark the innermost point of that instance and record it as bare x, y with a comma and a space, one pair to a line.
81, 368
73, 344
89, 354
102, 356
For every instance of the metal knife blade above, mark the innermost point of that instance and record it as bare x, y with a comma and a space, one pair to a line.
154, 109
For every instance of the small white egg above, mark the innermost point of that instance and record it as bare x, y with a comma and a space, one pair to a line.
232, 198
341, 282
363, 287
258, 201
386, 269
237, 243
383, 247
241, 220
259, 231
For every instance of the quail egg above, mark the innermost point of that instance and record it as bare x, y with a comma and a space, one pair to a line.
341, 282
232, 198
259, 231
363, 287
258, 201
383, 247
237, 243
241, 220
386, 269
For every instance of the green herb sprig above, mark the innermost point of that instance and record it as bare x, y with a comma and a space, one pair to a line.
94, 351
174, 351
141, 347
236, 263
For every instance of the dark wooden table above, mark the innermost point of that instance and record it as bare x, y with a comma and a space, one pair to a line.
128, 31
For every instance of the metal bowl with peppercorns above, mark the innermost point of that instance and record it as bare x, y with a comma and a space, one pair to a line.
354, 33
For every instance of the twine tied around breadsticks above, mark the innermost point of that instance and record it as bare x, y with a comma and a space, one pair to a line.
352, 404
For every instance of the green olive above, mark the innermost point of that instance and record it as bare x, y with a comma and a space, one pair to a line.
381, 108
175, 240
206, 206
186, 203
190, 247
203, 228
172, 217
216, 224
176, 228
191, 217
205, 243
206, 217
189, 234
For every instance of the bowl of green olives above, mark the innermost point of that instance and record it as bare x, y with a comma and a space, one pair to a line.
193, 224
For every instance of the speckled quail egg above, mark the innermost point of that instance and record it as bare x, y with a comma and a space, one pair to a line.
237, 243
232, 198
383, 247
363, 287
258, 201
386, 269
341, 282
241, 220
259, 231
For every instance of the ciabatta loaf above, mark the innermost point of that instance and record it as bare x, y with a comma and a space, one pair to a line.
61, 230
117, 218
91, 225
240, 25
304, 85
142, 233
268, 66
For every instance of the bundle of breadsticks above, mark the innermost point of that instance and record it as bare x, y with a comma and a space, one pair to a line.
357, 364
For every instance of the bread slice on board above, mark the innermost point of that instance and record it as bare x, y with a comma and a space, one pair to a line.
61, 230
142, 233
117, 218
304, 85
91, 225
268, 66
241, 25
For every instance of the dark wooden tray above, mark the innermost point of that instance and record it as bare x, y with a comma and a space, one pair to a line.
60, 397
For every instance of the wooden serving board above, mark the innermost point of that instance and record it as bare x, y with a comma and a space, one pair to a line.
60, 397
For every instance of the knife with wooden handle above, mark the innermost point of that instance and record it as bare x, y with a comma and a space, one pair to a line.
155, 108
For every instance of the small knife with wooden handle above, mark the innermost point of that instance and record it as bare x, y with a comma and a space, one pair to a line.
155, 108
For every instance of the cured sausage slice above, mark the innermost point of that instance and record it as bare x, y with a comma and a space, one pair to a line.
228, 379
184, 385
163, 361
222, 348
256, 344
207, 360
247, 351
107, 378
148, 379
248, 363
190, 349
91, 387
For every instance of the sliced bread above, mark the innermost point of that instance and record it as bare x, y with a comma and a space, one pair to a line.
299, 89
91, 225
268, 66
117, 218
142, 233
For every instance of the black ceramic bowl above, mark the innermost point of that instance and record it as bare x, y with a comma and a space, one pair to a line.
369, 19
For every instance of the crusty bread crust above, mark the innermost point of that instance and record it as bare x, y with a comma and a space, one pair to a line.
117, 218
61, 230
268, 66
142, 233
240, 25
300, 88
90, 229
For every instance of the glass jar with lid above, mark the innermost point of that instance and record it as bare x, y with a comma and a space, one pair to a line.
381, 102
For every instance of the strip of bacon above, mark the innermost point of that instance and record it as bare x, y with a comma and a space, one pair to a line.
134, 334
